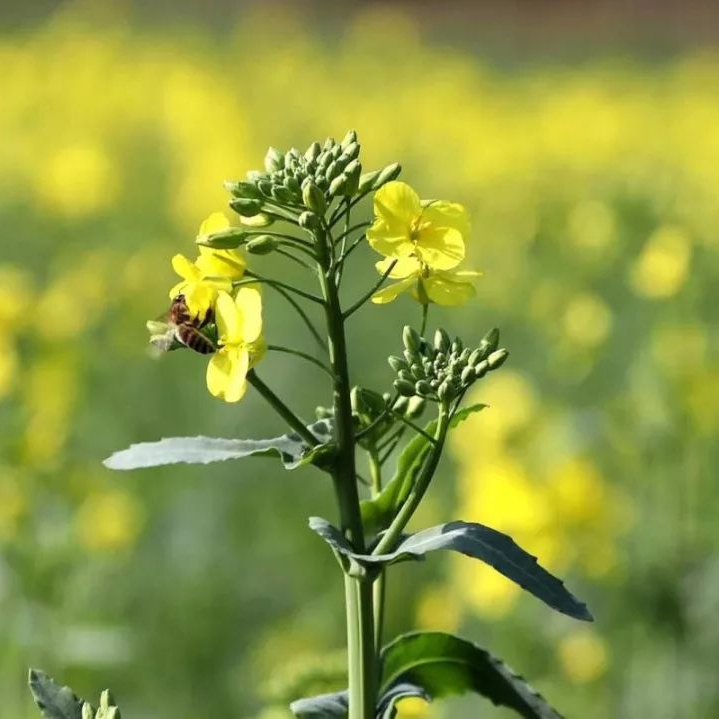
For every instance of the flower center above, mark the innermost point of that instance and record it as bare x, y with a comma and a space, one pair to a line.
416, 228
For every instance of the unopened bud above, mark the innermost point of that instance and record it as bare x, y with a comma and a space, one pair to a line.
441, 341
314, 198
411, 339
351, 152
457, 345
261, 245
389, 173
467, 375
312, 151
308, 220
245, 207
228, 239
397, 363
481, 369
274, 160
86, 712
265, 187
367, 181
423, 388
402, 404
497, 359
333, 169
445, 392
281, 194
349, 139
406, 389
338, 184
352, 172
489, 342
415, 407
243, 189
258, 220
293, 185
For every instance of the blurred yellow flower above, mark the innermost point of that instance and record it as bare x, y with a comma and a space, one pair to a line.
587, 320
583, 656
433, 232
239, 325
438, 609
443, 287
108, 521
662, 267
413, 708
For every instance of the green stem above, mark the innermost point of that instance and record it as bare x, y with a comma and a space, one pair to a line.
425, 312
394, 532
282, 409
370, 292
379, 587
254, 278
362, 667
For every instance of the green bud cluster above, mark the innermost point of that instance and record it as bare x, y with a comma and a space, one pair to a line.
445, 369
106, 710
368, 407
308, 181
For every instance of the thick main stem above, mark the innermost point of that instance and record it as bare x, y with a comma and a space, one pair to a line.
362, 665
379, 586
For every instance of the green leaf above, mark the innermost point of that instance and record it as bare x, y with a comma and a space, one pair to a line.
55, 701
443, 665
290, 448
335, 705
387, 704
377, 513
498, 550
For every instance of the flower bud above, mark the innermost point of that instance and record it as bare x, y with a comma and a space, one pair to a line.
397, 363
246, 207
293, 185
352, 172
351, 152
314, 198
312, 152
258, 220
489, 342
329, 144
415, 407
405, 374
497, 359
411, 339
274, 160
481, 369
441, 341
417, 371
349, 139
261, 245
86, 712
406, 389
265, 187
281, 194
467, 375
228, 239
366, 181
389, 173
243, 189
332, 170
423, 388
401, 404
308, 220
457, 346
446, 392
338, 185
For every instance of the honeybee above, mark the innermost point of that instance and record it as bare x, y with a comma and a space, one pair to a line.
180, 327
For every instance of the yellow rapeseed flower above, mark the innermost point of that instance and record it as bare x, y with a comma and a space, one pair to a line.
432, 231
212, 272
444, 287
239, 325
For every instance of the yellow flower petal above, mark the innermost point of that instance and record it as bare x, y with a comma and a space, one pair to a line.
442, 248
216, 222
443, 289
227, 373
177, 289
397, 204
229, 320
220, 263
185, 268
391, 292
249, 306
199, 297
447, 214
390, 241
404, 267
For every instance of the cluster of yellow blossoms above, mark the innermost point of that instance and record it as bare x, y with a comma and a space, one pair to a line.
208, 288
422, 242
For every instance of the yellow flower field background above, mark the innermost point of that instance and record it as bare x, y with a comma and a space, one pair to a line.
594, 194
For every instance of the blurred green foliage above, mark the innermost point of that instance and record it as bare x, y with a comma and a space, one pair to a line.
594, 191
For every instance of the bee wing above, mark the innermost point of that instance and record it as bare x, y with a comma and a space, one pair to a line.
162, 342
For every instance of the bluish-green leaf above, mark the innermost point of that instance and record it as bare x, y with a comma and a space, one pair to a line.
443, 664
323, 706
290, 448
498, 550
377, 513
55, 701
